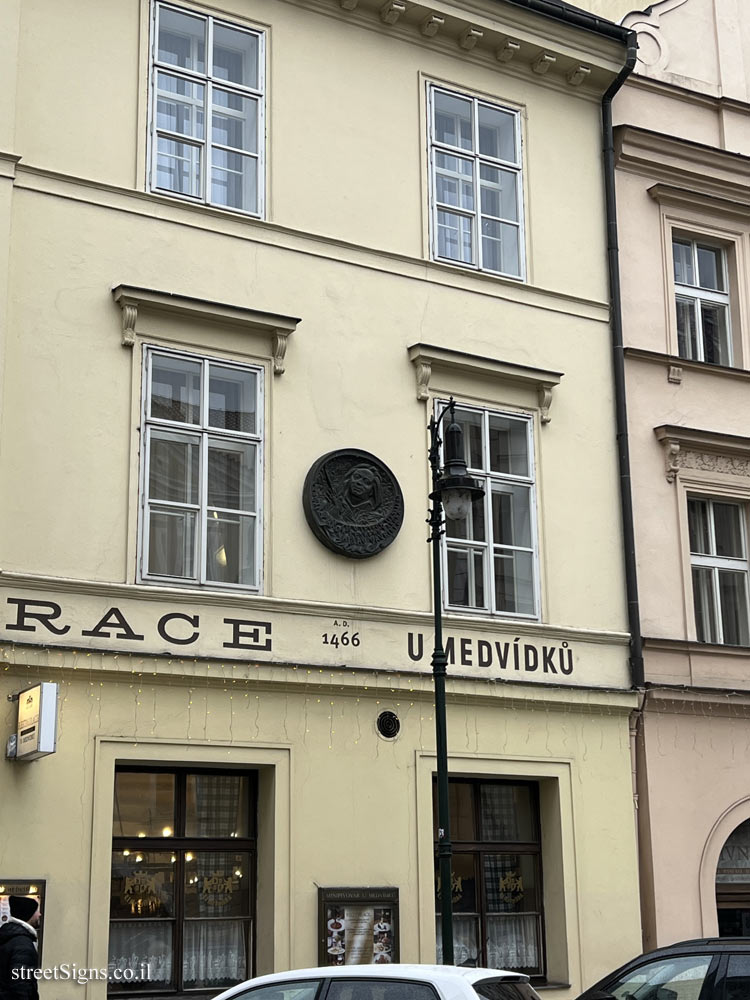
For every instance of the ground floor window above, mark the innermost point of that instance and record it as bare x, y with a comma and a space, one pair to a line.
497, 875
183, 880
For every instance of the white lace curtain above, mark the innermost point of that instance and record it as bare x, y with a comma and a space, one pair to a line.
214, 953
465, 941
131, 946
512, 941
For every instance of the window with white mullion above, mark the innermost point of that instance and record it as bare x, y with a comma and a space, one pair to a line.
455, 216
476, 183
720, 570
172, 507
202, 471
491, 561
220, 67
701, 301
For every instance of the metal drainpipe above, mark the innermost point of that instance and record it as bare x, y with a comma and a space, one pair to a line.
618, 363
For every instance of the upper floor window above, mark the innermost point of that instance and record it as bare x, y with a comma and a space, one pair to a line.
702, 301
718, 556
202, 478
475, 165
207, 86
491, 554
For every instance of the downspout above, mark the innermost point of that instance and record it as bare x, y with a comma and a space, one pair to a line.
637, 676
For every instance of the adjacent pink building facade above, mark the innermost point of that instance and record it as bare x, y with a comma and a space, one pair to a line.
683, 188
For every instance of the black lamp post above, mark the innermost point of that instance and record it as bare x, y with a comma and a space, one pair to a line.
453, 492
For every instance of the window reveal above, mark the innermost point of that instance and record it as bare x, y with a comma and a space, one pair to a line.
207, 110
201, 482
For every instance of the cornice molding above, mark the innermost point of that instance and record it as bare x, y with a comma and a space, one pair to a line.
425, 357
679, 92
132, 298
280, 605
693, 646
493, 34
675, 365
8, 164
683, 166
713, 199
708, 451
20, 659
161, 209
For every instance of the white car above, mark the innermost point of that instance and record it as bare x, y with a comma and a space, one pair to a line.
385, 982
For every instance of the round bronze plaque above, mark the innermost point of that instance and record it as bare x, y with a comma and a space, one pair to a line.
353, 503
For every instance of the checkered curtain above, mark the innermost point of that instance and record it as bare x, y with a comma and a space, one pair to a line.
496, 867
218, 800
498, 813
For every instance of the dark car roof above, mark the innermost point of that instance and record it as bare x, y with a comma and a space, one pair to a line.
695, 946
715, 944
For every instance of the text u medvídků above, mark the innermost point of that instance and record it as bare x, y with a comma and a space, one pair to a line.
507, 655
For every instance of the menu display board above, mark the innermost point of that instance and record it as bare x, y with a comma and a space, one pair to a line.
358, 926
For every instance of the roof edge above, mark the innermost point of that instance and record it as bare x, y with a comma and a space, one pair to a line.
574, 16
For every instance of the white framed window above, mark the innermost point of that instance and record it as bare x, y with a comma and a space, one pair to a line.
476, 183
491, 556
202, 477
207, 110
701, 301
719, 564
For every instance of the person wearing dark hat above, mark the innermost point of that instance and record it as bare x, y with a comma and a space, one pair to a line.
18, 952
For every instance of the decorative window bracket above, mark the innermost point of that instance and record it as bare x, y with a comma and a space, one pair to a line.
425, 357
132, 299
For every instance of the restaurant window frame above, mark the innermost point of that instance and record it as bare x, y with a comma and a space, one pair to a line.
180, 846
479, 849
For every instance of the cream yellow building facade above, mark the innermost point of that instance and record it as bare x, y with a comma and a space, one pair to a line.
236, 238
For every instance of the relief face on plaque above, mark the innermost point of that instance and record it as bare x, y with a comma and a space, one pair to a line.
353, 503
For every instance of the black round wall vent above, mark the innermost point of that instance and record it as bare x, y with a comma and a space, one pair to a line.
388, 725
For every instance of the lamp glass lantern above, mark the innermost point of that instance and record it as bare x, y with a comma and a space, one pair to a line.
453, 486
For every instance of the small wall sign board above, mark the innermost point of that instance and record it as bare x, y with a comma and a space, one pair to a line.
358, 926
353, 503
37, 721
34, 887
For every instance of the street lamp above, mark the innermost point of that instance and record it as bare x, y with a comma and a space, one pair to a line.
453, 492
